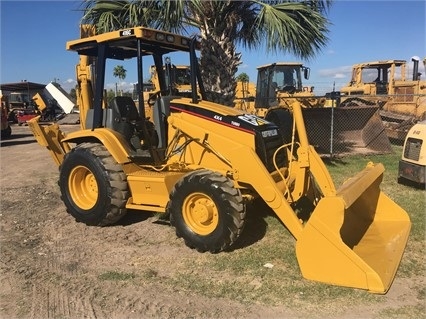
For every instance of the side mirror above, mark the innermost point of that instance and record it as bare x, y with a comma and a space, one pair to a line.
306, 73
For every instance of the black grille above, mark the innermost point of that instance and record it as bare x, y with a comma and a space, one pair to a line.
412, 149
265, 149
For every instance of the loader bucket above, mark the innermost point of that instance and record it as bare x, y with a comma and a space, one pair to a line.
346, 130
356, 238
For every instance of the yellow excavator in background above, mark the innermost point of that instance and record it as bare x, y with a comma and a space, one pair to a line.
201, 163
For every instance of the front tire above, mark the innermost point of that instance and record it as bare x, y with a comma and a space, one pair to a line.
93, 185
207, 211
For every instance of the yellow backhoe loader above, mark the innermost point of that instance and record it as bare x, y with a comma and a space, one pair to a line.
200, 162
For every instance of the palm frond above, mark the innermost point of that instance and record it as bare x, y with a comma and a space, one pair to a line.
292, 27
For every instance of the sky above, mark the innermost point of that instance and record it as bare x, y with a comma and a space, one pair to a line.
34, 34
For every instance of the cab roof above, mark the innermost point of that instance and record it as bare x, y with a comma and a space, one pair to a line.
384, 63
122, 44
280, 64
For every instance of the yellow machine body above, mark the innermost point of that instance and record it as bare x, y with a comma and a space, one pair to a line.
412, 165
206, 160
386, 83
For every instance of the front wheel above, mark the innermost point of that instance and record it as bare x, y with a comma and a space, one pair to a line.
207, 211
93, 185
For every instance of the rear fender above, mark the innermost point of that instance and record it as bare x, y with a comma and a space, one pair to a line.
113, 141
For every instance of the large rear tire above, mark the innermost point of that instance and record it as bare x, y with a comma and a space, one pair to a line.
207, 211
93, 185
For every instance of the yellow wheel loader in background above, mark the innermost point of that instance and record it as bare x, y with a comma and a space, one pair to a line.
201, 162
244, 96
330, 129
386, 84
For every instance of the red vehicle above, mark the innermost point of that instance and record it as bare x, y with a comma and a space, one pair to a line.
25, 115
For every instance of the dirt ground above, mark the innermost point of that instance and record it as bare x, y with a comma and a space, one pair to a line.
50, 265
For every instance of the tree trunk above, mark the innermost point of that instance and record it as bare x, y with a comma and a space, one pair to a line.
219, 64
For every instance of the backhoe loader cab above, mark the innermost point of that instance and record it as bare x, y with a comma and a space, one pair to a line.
201, 162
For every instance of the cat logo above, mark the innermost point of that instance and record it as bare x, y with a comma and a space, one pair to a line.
126, 32
252, 119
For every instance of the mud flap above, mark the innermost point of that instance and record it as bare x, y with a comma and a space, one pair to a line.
356, 238
356, 129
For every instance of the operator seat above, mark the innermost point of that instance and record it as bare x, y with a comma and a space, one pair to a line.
126, 114
161, 112
127, 120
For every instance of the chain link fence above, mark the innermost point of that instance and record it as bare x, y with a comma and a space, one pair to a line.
339, 131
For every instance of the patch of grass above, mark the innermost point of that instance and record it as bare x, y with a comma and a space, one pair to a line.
116, 276
406, 312
150, 273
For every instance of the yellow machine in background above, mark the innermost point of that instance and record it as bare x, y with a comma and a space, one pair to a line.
330, 129
402, 101
201, 162
412, 165
244, 96
177, 80
281, 84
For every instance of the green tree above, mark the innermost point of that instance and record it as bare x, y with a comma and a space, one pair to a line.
120, 73
110, 95
297, 27
243, 77
73, 94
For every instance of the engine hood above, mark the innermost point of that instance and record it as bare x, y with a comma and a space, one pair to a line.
226, 116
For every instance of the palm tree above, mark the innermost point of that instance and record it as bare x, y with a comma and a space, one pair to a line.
297, 27
120, 72
243, 77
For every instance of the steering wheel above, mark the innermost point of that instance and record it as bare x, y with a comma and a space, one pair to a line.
288, 88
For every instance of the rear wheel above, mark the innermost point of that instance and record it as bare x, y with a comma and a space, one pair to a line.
93, 185
207, 211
